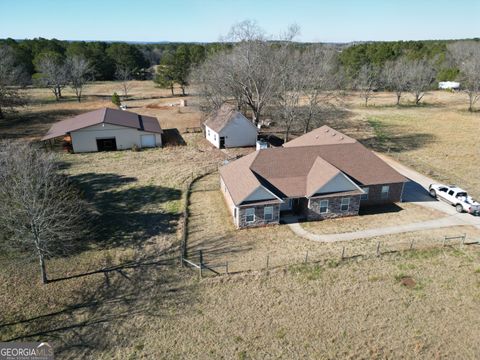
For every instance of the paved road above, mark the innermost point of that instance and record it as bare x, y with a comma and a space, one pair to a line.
415, 191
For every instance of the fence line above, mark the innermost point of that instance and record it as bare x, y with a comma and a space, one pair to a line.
207, 170
307, 257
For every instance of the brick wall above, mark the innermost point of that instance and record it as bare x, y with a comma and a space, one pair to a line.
334, 208
259, 220
375, 195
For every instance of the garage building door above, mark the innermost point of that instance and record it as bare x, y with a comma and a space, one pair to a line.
148, 141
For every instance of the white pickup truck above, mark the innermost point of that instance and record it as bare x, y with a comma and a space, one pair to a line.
455, 196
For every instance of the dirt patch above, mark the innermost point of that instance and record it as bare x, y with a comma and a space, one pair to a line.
408, 282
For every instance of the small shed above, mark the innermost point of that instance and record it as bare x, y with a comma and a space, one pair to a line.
107, 130
449, 85
228, 128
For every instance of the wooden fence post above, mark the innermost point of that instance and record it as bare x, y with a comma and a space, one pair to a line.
463, 238
378, 248
411, 244
268, 260
306, 257
226, 267
444, 240
200, 254
343, 253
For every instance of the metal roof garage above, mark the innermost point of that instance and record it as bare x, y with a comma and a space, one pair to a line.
108, 129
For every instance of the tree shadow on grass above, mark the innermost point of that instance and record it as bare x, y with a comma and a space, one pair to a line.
32, 124
127, 215
99, 315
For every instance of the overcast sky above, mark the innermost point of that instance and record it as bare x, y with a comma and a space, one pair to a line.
206, 20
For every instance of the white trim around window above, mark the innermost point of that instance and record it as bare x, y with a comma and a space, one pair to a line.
345, 204
365, 196
268, 213
250, 215
385, 191
323, 208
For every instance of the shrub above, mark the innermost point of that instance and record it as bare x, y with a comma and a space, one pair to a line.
116, 99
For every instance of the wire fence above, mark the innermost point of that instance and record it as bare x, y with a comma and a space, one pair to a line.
213, 266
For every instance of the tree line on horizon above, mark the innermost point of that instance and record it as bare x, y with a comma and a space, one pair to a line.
367, 67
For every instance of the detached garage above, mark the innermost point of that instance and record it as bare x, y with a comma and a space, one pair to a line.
107, 130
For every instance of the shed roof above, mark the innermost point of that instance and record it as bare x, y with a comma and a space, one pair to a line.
104, 115
223, 116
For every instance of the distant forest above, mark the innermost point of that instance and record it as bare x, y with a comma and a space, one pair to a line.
105, 57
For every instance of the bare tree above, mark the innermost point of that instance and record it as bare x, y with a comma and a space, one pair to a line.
421, 75
291, 84
395, 76
367, 81
79, 71
322, 78
11, 75
54, 74
466, 55
248, 73
124, 74
41, 211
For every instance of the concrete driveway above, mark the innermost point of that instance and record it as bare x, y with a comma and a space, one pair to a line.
415, 191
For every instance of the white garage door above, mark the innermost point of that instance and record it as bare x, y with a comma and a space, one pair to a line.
148, 141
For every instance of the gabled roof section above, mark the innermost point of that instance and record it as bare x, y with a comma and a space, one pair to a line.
224, 116
238, 178
104, 115
320, 174
323, 135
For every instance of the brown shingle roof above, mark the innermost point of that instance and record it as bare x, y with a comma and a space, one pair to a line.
223, 116
295, 171
104, 115
238, 178
324, 135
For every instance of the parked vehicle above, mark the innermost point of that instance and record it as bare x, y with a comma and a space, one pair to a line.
455, 196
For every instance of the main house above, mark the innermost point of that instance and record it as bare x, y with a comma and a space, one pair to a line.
228, 127
106, 130
322, 174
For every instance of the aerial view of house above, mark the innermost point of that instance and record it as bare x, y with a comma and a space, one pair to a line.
320, 175
107, 129
239, 179
228, 127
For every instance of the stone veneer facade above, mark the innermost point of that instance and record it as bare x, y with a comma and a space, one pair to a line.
334, 207
259, 215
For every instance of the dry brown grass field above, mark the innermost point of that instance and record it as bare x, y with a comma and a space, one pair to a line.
143, 305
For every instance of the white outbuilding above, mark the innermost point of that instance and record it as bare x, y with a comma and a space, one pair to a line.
228, 128
107, 130
449, 85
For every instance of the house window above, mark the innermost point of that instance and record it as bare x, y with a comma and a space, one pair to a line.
208, 132
215, 137
385, 191
323, 206
250, 215
268, 212
365, 196
345, 204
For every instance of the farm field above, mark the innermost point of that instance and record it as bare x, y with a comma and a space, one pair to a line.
124, 295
